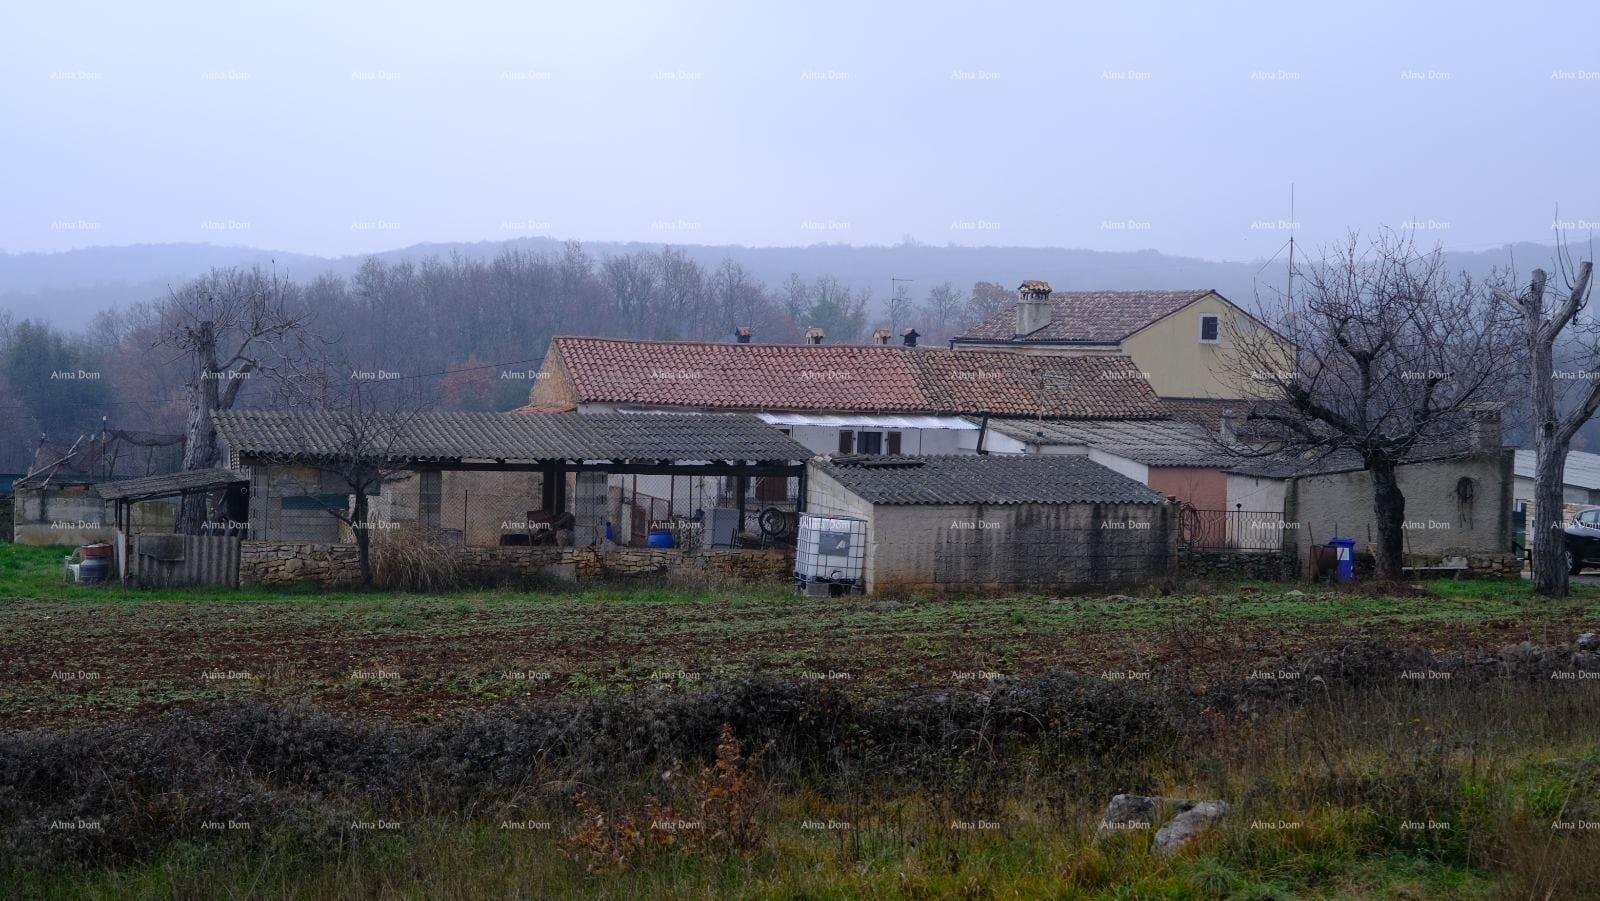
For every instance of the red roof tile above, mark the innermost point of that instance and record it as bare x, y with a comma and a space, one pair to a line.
855, 378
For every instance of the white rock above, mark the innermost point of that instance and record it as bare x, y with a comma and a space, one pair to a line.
1199, 817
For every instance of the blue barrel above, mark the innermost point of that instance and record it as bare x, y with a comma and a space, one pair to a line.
658, 538
1345, 553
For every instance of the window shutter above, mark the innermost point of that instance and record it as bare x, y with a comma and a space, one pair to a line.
894, 442
847, 441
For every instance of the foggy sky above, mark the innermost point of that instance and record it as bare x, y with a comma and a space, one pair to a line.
341, 128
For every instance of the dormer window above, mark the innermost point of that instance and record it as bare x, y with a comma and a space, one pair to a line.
1210, 329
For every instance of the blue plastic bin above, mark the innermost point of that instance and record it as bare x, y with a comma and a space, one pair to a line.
1346, 555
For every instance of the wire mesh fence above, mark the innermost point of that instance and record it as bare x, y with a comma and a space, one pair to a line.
496, 509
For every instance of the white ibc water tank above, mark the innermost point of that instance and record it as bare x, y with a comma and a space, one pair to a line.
830, 549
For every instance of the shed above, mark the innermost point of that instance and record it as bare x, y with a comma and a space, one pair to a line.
530, 463
987, 522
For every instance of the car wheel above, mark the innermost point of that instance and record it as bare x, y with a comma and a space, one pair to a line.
1574, 562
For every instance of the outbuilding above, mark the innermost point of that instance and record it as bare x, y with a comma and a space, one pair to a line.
992, 522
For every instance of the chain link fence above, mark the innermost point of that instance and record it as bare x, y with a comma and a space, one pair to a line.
493, 509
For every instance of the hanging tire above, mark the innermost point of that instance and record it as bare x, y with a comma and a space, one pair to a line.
775, 523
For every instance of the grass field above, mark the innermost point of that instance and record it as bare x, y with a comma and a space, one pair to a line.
1327, 790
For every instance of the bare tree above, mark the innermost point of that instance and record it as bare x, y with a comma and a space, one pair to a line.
899, 305
1543, 322
942, 313
1391, 357
365, 445
234, 325
796, 298
987, 299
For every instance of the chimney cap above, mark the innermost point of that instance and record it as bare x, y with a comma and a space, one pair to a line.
1034, 286
742, 334
815, 335
910, 336
881, 336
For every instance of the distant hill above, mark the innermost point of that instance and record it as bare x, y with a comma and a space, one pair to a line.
68, 288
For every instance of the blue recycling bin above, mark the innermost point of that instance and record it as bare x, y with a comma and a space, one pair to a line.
1345, 554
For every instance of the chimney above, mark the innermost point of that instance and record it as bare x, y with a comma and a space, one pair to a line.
880, 336
1226, 431
742, 334
1485, 429
814, 335
909, 337
1033, 306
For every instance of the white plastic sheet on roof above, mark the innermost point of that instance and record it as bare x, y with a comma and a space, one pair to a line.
871, 422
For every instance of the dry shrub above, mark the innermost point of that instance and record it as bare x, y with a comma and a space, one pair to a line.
727, 800
415, 558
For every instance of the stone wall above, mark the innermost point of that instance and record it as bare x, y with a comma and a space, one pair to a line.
1437, 521
1224, 566
337, 565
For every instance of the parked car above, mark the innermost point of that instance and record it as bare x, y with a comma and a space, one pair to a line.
1583, 541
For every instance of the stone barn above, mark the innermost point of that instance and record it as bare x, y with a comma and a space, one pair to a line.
990, 522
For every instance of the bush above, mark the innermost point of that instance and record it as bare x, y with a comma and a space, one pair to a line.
415, 558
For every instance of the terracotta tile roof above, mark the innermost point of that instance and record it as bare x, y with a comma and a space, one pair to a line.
985, 479
852, 378
1088, 317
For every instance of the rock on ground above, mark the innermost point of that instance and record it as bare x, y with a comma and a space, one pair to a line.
1190, 819
1189, 824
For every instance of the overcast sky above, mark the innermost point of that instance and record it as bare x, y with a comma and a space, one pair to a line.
331, 127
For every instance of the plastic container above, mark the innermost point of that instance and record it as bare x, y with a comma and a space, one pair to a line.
94, 570
1345, 556
659, 538
830, 553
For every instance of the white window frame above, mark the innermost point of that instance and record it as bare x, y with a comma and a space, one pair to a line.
1202, 332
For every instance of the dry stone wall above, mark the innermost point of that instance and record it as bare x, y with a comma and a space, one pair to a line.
337, 565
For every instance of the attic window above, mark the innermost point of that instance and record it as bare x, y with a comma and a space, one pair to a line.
1210, 329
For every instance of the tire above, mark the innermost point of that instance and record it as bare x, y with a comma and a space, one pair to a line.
1574, 562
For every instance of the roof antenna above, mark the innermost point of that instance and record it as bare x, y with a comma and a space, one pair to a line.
1293, 227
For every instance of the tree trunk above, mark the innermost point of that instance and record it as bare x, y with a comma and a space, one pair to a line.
363, 539
1545, 533
200, 433
1549, 453
1389, 504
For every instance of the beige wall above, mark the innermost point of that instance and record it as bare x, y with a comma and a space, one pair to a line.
552, 386
1178, 364
1170, 354
1437, 522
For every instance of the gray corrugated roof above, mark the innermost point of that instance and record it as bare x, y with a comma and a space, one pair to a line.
1153, 442
165, 485
510, 437
985, 479
1583, 468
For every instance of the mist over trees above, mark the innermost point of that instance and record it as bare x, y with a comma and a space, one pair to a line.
471, 330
